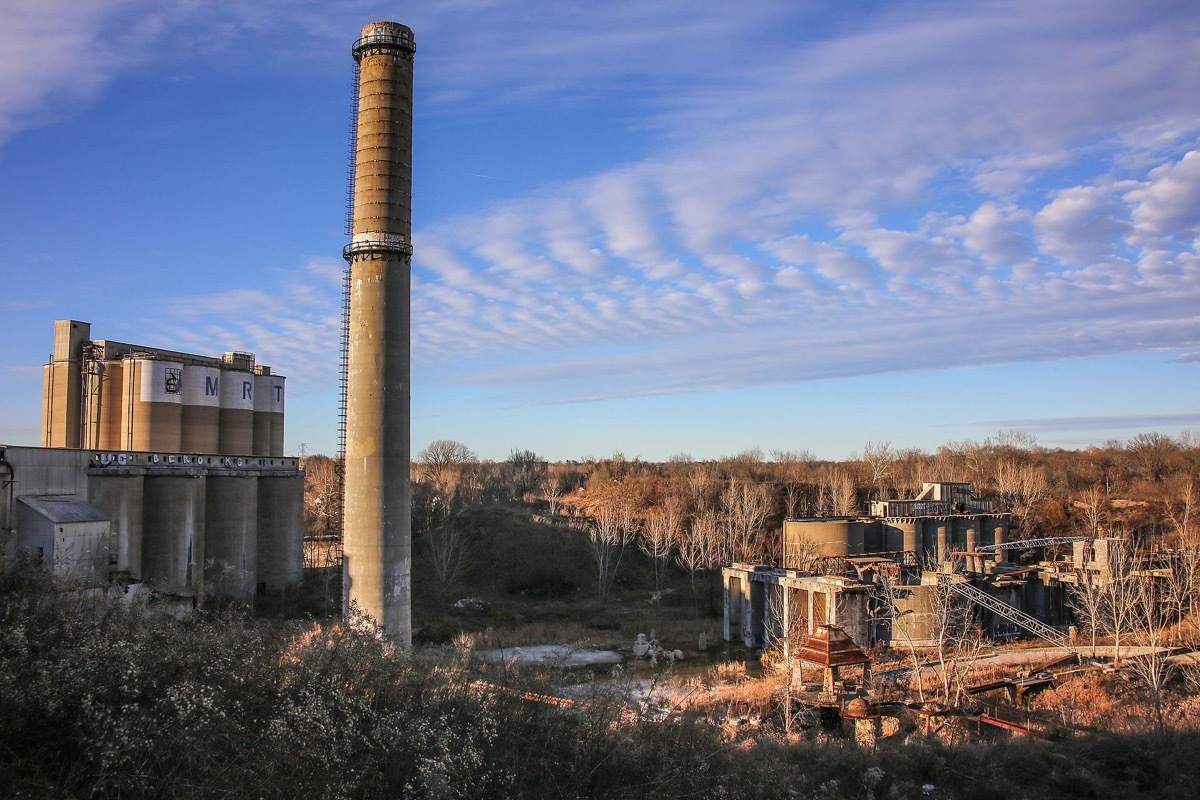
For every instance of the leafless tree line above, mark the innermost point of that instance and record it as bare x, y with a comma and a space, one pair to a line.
699, 515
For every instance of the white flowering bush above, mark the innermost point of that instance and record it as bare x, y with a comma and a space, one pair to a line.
107, 700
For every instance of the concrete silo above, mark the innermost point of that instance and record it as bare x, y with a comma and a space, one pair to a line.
201, 409
268, 412
153, 403
378, 499
230, 536
237, 405
173, 533
62, 391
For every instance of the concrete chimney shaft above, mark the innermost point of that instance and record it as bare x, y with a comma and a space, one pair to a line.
378, 495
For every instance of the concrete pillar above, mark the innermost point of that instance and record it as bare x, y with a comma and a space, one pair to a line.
120, 496
973, 562
942, 537
280, 531
230, 537
173, 534
909, 533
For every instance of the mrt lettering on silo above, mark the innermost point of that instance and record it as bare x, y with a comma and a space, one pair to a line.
236, 435
201, 409
377, 529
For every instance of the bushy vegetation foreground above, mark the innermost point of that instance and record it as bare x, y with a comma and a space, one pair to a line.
110, 699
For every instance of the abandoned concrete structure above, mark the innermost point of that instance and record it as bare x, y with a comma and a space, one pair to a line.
377, 563
882, 577
186, 525
158, 468
108, 395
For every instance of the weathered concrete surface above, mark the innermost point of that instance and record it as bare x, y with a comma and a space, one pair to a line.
378, 498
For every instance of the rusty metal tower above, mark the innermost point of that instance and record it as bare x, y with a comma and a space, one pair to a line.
377, 531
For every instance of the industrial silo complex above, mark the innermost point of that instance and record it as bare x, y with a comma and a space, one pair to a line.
117, 396
158, 468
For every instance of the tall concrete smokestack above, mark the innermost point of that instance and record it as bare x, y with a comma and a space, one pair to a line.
378, 496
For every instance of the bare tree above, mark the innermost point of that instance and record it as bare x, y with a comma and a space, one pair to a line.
879, 459
1121, 595
1095, 506
1153, 666
839, 494
746, 507
659, 536
1183, 585
786, 632
609, 530
525, 471
441, 463
698, 546
793, 469
958, 642
450, 552
886, 595
552, 490
1151, 455
792, 495
1020, 487
913, 467
322, 495
700, 482
1087, 599
799, 552
961, 461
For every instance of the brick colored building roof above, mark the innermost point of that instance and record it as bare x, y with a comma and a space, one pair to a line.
829, 646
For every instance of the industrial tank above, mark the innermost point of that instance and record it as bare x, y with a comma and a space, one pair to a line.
268, 413
937, 538
966, 533
201, 409
901, 533
230, 537
237, 413
153, 404
826, 538
173, 534
995, 531
873, 536
280, 531
107, 394
121, 497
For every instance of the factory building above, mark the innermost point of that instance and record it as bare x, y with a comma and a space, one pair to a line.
158, 468
880, 576
107, 395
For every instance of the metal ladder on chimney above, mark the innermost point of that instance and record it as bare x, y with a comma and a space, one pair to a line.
343, 376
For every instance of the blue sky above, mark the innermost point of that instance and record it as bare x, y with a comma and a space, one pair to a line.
658, 228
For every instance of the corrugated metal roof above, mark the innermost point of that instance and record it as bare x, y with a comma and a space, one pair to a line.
59, 508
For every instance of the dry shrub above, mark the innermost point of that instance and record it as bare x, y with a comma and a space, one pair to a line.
1082, 701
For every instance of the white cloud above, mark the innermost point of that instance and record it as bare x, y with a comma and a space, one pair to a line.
1080, 226
55, 55
916, 186
1168, 204
294, 321
991, 234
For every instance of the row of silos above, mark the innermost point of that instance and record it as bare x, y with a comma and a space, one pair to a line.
215, 533
932, 539
156, 404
